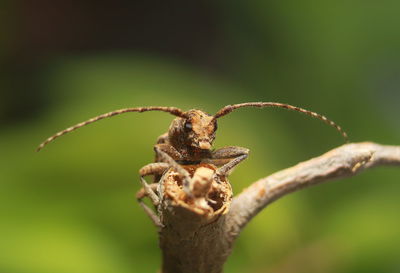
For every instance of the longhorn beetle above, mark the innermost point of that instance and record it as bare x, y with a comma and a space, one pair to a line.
189, 141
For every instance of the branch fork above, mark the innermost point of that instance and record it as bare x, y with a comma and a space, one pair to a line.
198, 229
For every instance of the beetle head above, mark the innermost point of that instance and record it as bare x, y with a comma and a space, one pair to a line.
196, 129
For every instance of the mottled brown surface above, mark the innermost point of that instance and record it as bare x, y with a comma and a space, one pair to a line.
193, 238
199, 240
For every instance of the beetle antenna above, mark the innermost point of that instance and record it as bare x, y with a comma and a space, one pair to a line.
229, 108
172, 110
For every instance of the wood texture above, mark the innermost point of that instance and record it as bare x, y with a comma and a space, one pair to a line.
198, 233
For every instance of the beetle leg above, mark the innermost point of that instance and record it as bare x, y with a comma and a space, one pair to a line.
153, 216
233, 154
157, 168
164, 157
150, 190
152, 169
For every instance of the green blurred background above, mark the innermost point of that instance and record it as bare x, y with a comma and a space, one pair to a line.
71, 207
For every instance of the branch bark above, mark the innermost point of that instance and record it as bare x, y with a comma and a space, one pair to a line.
198, 233
344, 161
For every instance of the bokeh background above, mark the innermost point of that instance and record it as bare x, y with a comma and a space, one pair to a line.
71, 207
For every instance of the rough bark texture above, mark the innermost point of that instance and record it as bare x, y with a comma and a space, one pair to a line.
193, 237
198, 231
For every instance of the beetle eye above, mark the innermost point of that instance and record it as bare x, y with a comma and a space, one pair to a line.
188, 126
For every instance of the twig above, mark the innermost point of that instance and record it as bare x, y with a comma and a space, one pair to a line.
344, 161
198, 237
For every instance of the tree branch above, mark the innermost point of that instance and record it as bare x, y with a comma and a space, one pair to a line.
197, 230
343, 161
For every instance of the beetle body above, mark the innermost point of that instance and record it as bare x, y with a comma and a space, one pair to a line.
189, 141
